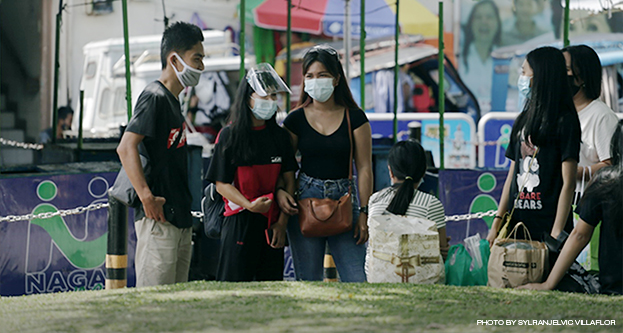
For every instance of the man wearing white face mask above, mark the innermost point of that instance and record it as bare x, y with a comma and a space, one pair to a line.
157, 132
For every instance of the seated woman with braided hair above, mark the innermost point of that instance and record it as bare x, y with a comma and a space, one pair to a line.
407, 165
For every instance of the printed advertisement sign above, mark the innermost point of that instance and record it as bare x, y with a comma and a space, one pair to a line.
470, 191
495, 129
460, 134
56, 254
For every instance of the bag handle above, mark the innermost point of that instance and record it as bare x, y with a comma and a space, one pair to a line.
578, 195
350, 159
526, 232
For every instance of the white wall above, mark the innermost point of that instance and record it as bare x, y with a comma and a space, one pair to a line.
145, 17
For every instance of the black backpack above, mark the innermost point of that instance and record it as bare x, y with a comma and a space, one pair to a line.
212, 207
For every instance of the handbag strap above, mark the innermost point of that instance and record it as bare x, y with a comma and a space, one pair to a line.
350, 158
524, 183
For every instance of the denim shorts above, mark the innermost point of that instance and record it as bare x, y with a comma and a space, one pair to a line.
308, 252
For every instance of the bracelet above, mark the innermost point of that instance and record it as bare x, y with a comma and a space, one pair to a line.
498, 217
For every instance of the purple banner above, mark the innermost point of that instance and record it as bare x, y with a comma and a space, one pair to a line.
59, 253
470, 191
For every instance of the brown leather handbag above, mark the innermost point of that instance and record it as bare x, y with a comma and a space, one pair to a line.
328, 217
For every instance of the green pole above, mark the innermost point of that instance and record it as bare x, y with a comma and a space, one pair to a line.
59, 18
81, 116
126, 46
243, 13
566, 32
362, 56
396, 70
289, 52
442, 93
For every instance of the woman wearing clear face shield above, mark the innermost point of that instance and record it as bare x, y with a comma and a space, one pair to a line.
320, 131
251, 154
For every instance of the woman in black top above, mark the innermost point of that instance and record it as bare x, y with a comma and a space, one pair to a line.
602, 201
544, 150
252, 153
320, 132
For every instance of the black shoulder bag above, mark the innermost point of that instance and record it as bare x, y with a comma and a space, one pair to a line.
212, 207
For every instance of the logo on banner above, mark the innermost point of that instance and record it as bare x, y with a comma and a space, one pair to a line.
43, 273
485, 202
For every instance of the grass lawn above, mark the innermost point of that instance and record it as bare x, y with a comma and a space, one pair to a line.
305, 307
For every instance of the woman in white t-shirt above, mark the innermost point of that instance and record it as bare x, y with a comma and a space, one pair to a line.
597, 120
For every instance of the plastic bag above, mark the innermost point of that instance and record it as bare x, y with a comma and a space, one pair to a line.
459, 268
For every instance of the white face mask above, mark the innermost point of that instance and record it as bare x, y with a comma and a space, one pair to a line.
188, 77
264, 109
319, 89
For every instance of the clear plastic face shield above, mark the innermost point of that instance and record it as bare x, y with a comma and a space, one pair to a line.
265, 81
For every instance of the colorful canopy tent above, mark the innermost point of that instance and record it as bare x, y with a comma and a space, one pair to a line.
327, 17
415, 19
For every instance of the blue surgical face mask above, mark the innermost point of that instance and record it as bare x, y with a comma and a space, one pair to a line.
523, 84
264, 109
319, 89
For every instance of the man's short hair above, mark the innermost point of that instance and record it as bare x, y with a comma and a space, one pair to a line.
64, 112
179, 37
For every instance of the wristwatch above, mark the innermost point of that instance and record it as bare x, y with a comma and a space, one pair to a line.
364, 210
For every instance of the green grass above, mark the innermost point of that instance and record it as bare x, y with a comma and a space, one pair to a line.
303, 307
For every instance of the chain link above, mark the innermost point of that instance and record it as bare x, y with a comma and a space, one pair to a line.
197, 214
47, 215
92, 207
483, 143
466, 217
34, 146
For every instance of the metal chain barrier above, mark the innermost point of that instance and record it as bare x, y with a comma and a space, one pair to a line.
466, 217
47, 215
197, 214
34, 146
92, 207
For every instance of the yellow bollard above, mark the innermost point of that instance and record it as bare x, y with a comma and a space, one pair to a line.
330, 272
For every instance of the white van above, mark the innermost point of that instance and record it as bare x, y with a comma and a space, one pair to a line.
104, 81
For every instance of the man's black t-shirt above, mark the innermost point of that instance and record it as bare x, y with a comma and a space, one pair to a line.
537, 204
324, 156
159, 118
258, 176
592, 210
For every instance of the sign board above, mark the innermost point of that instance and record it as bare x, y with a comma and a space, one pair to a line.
470, 191
460, 135
59, 253
494, 130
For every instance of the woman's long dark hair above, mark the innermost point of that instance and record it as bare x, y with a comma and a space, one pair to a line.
330, 59
585, 64
607, 184
469, 35
550, 99
407, 160
240, 121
